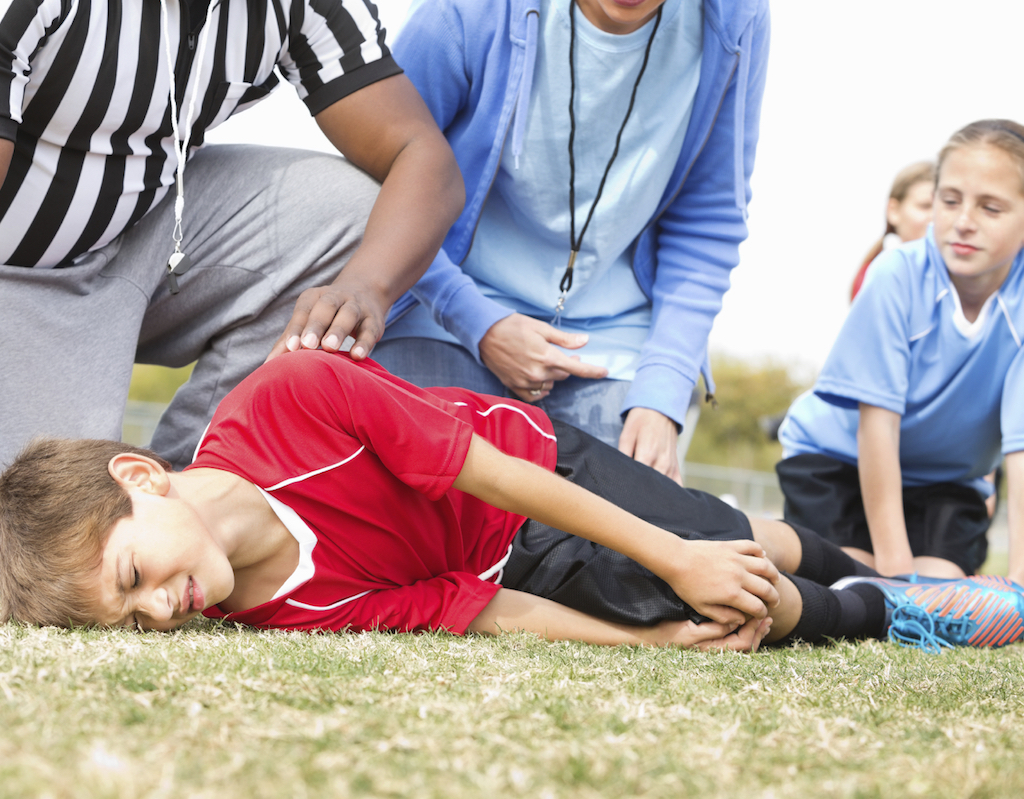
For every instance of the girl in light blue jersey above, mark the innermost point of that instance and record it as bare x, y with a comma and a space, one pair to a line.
923, 391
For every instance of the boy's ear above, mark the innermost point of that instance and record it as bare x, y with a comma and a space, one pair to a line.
131, 470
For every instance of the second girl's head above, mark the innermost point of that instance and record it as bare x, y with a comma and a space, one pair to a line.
910, 201
979, 204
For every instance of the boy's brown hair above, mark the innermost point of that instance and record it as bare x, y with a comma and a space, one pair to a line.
58, 505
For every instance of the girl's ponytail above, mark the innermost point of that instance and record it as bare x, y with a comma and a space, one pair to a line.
906, 178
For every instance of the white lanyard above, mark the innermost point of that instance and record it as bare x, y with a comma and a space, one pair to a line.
179, 262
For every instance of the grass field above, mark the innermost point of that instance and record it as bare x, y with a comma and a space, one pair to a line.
217, 712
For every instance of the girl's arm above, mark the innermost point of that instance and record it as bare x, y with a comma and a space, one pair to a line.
881, 486
514, 610
727, 581
1014, 465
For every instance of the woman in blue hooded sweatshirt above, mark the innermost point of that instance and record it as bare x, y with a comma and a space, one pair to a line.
607, 147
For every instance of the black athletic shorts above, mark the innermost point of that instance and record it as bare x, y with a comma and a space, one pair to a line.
944, 520
594, 579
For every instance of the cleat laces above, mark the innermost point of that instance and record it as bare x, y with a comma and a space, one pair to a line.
914, 626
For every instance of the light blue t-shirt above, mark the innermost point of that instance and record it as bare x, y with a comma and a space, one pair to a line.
521, 245
907, 347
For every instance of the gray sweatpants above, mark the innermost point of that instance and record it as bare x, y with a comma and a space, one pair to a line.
261, 225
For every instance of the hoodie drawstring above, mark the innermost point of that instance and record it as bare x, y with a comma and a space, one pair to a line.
739, 124
525, 85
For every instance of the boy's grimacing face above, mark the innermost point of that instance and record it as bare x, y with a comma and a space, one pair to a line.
979, 213
160, 566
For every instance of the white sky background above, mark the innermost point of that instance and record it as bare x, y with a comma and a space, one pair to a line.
856, 91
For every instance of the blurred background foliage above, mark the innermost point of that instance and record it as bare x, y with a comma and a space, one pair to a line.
750, 396
156, 383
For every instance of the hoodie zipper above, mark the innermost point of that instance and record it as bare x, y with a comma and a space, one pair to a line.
682, 183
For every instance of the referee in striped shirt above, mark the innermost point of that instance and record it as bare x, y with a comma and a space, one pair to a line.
123, 240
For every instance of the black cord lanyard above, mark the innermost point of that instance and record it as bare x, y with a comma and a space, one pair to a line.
575, 243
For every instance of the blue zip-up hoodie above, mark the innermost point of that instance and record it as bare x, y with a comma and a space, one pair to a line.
472, 62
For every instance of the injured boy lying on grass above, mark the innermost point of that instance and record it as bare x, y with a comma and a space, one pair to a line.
330, 495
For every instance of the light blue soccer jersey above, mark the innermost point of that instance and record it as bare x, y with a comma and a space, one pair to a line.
907, 347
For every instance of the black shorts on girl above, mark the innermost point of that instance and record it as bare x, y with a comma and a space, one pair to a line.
599, 581
944, 520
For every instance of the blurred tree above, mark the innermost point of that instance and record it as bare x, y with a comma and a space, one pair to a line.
156, 383
749, 395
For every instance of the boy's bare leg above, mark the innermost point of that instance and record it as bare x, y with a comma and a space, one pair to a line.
782, 547
800, 551
779, 541
807, 608
787, 613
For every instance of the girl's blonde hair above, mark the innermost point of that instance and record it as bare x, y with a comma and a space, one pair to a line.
1005, 134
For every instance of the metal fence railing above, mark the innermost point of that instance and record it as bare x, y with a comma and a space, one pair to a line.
754, 492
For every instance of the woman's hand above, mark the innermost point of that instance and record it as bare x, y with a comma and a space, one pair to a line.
651, 438
521, 353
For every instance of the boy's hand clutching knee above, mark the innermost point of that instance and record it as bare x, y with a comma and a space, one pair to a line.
730, 582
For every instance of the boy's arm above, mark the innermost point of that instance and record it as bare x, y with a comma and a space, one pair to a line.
727, 581
386, 130
514, 610
881, 486
1014, 465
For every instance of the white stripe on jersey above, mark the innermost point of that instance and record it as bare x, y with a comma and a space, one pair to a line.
494, 572
524, 414
1009, 321
314, 473
321, 608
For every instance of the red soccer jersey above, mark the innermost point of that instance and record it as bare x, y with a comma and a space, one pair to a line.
359, 465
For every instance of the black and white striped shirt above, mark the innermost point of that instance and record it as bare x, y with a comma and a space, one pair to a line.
84, 94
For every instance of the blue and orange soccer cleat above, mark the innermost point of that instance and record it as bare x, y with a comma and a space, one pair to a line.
979, 611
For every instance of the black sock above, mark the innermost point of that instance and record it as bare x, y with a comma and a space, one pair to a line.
855, 612
875, 622
824, 562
